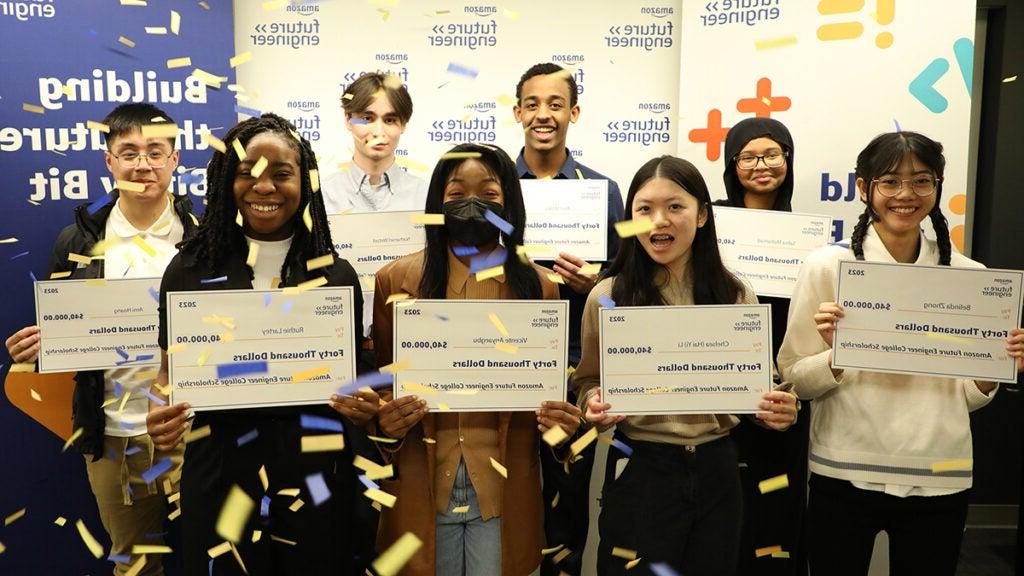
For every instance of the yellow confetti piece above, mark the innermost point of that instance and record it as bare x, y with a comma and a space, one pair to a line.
632, 563
491, 272
96, 282
215, 143
314, 180
204, 356
256, 534
561, 555
35, 395
166, 130
373, 470
108, 402
179, 62
263, 478
282, 540
382, 439
240, 59
297, 505
90, 541
780, 554
590, 269
391, 561
97, 126
133, 2
197, 434
773, 484
259, 167
306, 375
766, 101
319, 262
211, 80
506, 348
628, 228
126, 42
555, 436
175, 348
498, 466
396, 367
381, 497
24, 366
173, 497
239, 149
193, 216
952, 465
234, 514
219, 549
769, 43
71, 440
554, 501
310, 284
1010, 79
254, 253
238, 219
79, 258
459, 155
347, 96
124, 401
288, 492
150, 549
460, 509
427, 219
60, 521
624, 553
126, 185
174, 514
767, 550
416, 387
411, 164
497, 324
323, 443
175, 22
204, 5
429, 441
144, 246
546, 551
14, 517
443, 407
583, 441
274, 5
556, 278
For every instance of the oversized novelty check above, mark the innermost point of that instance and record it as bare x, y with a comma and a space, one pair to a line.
97, 324
253, 348
685, 359
567, 216
481, 355
934, 320
767, 247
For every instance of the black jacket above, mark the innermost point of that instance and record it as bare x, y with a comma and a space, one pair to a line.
79, 238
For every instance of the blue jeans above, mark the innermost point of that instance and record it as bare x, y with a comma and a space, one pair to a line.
467, 545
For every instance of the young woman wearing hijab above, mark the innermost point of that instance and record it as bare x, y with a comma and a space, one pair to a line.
759, 175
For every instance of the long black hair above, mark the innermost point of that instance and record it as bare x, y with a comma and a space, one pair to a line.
520, 276
635, 271
219, 236
883, 155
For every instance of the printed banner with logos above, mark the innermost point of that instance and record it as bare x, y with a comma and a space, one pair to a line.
65, 63
624, 57
837, 74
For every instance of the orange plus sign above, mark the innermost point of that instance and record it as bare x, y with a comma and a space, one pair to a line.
713, 135
764, 104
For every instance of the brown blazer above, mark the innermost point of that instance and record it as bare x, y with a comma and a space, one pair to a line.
522, 534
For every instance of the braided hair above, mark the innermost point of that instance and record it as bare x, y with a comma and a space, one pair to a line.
881, 156
218, 236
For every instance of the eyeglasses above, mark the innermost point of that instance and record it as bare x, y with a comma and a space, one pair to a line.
132, 159
772, 159
890, 186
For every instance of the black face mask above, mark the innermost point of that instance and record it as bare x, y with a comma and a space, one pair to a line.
466, 222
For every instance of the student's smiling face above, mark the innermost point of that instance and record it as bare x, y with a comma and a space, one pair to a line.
268, 203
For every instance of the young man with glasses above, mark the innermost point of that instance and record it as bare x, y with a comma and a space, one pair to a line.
109, 406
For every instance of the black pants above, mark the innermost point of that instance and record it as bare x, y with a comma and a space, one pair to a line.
328, 538
924, 531
672, 505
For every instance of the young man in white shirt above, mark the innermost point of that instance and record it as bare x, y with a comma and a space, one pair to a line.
377, 109
110, 406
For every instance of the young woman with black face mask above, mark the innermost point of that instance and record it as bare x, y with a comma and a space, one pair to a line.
501, 532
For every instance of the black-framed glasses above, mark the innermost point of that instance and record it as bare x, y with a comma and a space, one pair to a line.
922, 185
773, 159
132, 159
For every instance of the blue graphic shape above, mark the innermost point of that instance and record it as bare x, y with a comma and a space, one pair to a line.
923, 87
963, 49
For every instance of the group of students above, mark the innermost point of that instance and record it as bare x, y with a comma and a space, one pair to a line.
679, 497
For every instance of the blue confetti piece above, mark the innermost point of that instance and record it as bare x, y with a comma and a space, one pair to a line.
248, 437
441, 317
126, 425
465, 250
358, 121
287, 306
190, 178
156, 399
499, 222
483, 262
606, 301
241, 368
371, 380
111, 455
311, 422
210, 573
662, 569
248, 111
97, 205
133, 450
32, 276
121, 353
318, 488
16, 256
368, 483
622, 446
118, 390
154, 294
159, 468
266, 299
265, 506
122, 558
143, 357
454, 68
897, 123
216, 280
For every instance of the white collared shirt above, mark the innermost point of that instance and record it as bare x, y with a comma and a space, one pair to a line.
351, 190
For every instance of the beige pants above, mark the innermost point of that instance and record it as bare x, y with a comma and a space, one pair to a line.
134, 516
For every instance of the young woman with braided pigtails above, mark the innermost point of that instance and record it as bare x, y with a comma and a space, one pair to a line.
874, 436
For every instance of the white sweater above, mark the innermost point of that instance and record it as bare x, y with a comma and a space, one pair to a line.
880, 431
